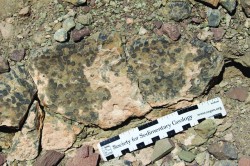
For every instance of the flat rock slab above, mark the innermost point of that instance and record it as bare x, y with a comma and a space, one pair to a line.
16, 93
169, 72
96, 82
25, 143
49, 158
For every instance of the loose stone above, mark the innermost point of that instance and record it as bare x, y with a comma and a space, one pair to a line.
213, 17
229, 5
76, 2
246, 7
214, 3
17, 55
50, 157
162, 148
85, 19
186, 156
25, 11
179, 10
2, 159
206, 129
218, 33
78, 35
4, 65
171, 30
223, 150
225, 163
238, 93
61, 35
244, 161
68, 24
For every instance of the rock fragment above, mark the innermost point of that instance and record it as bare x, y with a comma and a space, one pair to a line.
49, 158
157, 24
214, 3
162, 148
4, 65
186, 156
28, 138
17, 91
179, 10
17, 55
238, 93
223, 150
85, 19
2, 159
229, 5
84, 156
24, 11
246, 7
78, 35
171, 30
225, 163
218, 33
76, 2
213, 17
206, 129
68, 24
6, 29
142, 31
61, 35
244, 161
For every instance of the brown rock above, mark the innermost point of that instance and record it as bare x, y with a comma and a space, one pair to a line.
244, 161
78, 35
157, 24
223, 150
218, 33
4, 65
17, 55
238, 93
2, 159
171, 30
50, 158
210, 2
84, 156
24, 11
158, 32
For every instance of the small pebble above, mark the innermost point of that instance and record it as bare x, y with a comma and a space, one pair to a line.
142, 31
172, 30
17, 55
78, 35
244, 161
68, 24
4, 65
213, 17
24, 11
61, 35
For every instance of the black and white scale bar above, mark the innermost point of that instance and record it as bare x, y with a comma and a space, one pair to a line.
166, 126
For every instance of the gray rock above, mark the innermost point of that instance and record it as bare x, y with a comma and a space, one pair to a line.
223, 150
61, 35
68, 24
246, 7
162, 148
28, 138
229, 5
206, 129
186, 156
213, 17
4, 65
85, 19
225, 163
17, 55
179, 10
17, 90
50, 158
76, 2
210, 2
